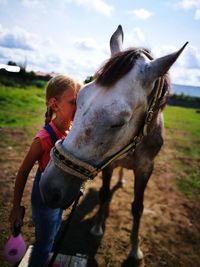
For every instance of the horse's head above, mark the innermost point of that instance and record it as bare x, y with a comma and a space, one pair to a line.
110, 111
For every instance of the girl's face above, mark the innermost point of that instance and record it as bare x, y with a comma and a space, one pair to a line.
66, 105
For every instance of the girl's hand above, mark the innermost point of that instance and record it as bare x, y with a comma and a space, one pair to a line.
34, 154
15, 218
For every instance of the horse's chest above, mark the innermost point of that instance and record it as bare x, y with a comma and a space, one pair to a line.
126, 161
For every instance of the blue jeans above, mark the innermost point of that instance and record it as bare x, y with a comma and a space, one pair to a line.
47, 222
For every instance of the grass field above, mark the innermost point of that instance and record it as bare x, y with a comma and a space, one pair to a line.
24, 108
20, 106
183, 130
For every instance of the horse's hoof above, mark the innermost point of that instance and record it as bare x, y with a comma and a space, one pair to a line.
132, 262
137, 255
121, 183
96, 230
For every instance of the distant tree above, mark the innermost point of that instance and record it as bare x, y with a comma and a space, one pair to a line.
88, 79
32, 75
11, 63
25, 63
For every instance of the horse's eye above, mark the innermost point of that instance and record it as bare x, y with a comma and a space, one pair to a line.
117, 125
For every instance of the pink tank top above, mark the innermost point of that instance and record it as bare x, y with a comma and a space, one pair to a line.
47, 145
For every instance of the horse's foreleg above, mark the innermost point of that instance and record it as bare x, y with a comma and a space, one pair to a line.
104, 196
121, 180
141, 179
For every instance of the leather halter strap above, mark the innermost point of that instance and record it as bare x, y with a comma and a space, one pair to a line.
68, 163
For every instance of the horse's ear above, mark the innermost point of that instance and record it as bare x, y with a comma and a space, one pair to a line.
116, 40
160, 66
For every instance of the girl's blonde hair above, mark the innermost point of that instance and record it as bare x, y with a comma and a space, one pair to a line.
55, 88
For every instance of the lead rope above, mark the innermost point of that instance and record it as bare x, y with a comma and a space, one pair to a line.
64, 231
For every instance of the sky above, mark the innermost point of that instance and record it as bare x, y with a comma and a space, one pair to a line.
72, 36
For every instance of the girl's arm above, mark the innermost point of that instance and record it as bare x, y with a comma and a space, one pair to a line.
35, 152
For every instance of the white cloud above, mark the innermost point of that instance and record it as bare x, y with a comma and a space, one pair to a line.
197, 14
134, 38
140, 13
98, 5
186, 70
185, 76
2, 2
18, 45
191, 4
87, 57
78, 65
187, 4
190, 57
16, 55
80, 68
34, 3
85, 44
17, 38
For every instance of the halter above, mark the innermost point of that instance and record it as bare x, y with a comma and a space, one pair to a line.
68, 163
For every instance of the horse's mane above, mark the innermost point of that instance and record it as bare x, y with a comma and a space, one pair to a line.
116, 67
120, 64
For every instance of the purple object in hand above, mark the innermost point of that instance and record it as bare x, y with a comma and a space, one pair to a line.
15, 247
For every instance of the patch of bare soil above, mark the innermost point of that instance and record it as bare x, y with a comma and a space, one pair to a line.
170, 228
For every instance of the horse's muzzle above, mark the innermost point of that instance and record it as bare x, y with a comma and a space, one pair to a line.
59, 191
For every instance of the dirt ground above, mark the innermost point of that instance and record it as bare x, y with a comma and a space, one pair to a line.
170, 228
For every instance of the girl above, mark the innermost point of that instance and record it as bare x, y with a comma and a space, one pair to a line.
61, 94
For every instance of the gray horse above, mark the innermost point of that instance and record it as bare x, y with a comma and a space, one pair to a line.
118, 121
